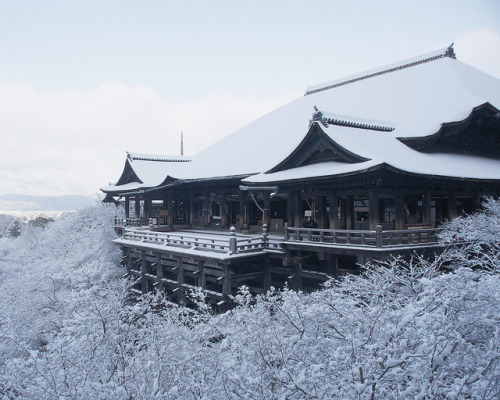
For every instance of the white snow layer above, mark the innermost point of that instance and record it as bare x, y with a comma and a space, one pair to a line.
415, 100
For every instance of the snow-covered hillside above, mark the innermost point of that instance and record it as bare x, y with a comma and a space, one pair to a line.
404, 330
24, 203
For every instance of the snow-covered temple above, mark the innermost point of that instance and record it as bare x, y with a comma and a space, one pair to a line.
400, 148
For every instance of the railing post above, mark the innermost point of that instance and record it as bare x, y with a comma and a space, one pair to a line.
264, 236
378, 241
232, 241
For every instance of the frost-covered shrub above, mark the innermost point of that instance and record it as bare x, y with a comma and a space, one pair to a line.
474, 240
47, 275
403, 330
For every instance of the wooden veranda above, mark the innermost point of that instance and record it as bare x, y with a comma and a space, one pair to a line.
219, 262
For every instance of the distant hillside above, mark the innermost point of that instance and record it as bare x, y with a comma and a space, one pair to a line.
10, 202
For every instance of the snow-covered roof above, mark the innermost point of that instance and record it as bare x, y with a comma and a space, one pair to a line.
384, 150
410, 99
144, 171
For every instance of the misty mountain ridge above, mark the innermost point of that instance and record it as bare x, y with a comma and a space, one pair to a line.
12, 202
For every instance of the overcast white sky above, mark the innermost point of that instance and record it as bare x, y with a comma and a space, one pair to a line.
82, 82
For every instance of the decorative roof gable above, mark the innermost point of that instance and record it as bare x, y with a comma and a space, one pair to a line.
317, 147
128, 175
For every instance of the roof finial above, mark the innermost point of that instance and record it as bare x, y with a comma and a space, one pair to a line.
450, 52
318, 116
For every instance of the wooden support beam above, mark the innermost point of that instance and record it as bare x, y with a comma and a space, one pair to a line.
223, 208
319, 216
202, 278
192, 207
333, 213
180, 281
159, 272
426, 207
267, 275
144, 265
452, 205
137, 207
266, 217
127, 207
332, 265
373, 209
399, 210
170, 209
349, 211
297, 276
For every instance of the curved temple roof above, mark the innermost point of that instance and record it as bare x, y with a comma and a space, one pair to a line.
369, 115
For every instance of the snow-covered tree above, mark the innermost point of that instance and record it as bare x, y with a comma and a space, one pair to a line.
401, 330
474, 240
14, 229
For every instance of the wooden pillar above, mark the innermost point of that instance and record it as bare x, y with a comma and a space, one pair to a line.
319, 217
399, 210
144, 268
297, 276
331, 265
374, 211
334, 211
202, 278
170, 209
226, 282
159, 273
243, 208
452, 205
137, 207
349, 210
206, 211
192, 207
180, 281
127, 207
129, 260
267, 274
148, 209
426, 207
266, 217
289, 208
223, 209
297, 209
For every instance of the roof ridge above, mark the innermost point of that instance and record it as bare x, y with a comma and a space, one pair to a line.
157, 157
411, 62
351, 122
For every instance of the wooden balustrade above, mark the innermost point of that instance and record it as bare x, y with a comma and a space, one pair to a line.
124, 222
377, 238
197, 242
232, 244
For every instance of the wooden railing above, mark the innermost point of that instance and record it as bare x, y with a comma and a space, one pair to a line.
378, 238
232, 244
124, 222
224, 244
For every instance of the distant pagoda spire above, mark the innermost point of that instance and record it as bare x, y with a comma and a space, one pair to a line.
182, 144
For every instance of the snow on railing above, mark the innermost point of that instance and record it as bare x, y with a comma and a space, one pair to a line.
202, 242
377, 238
